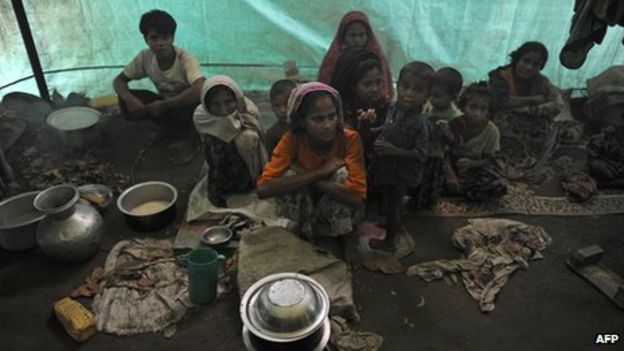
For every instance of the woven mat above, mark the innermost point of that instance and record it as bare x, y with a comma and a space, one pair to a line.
522, 200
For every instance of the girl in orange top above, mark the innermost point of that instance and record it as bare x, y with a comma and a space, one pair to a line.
317, 168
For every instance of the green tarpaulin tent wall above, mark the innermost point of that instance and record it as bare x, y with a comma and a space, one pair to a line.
83, 44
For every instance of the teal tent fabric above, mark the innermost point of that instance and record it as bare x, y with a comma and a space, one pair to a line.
250, 39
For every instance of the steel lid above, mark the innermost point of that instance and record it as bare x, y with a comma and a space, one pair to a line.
284, 307
73, 118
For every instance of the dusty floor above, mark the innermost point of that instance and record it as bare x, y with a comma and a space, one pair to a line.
546, 307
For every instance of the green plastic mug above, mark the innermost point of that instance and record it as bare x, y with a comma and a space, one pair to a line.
203, 271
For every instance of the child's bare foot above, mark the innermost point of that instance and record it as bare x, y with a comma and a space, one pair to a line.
388, 246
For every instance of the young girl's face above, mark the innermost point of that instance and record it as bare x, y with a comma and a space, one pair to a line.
477, 108
368, 88
529, 65
412, 91
221, 101
321, 120
355, 36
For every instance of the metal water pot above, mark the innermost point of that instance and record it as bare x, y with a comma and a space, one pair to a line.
71, 231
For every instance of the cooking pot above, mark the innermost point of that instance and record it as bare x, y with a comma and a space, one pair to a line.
76, 126
285, 311
143, 193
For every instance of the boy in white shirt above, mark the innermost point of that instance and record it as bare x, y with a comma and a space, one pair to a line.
176, 74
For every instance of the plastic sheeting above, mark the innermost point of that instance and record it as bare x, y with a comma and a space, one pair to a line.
250, 39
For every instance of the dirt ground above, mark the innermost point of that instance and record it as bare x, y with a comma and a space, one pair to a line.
546, 307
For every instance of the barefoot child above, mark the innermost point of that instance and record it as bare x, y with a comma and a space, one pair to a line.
279, 93
401, 149
477, 140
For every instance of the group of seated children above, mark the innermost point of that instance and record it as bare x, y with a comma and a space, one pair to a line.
341, 139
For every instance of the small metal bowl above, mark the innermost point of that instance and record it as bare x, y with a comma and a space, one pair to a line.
217, 236
98, 195
284, 307
145, 192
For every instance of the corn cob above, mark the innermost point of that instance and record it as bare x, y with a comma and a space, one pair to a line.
77, 320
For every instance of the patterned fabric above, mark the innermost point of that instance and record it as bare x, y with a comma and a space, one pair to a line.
337, 46
606, 154
482, 184
493, 249
426, 195
528, 139
409, 132
318, 215
227, 172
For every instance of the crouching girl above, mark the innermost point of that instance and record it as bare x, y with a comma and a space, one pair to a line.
317, 169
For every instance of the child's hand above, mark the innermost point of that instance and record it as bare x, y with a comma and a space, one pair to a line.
330, 166
368, 115
464, 164
383, 147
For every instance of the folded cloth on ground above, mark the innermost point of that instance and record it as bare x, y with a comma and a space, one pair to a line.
578, 186
492, 250
143, 290
343, 338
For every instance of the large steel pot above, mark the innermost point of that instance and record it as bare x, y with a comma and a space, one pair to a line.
71, 231
18, 222
143, 193
76, 126
285, 311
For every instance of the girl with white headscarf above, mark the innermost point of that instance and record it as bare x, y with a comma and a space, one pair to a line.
232, 137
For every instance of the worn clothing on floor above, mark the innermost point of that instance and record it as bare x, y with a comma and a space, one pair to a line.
171, 82
143, 289
406, 131
492, 250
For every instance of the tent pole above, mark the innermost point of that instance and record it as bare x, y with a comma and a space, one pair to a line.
33, 57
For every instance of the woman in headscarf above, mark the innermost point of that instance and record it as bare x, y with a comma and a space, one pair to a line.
355, 32
317, 168
525, 104
228, 125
